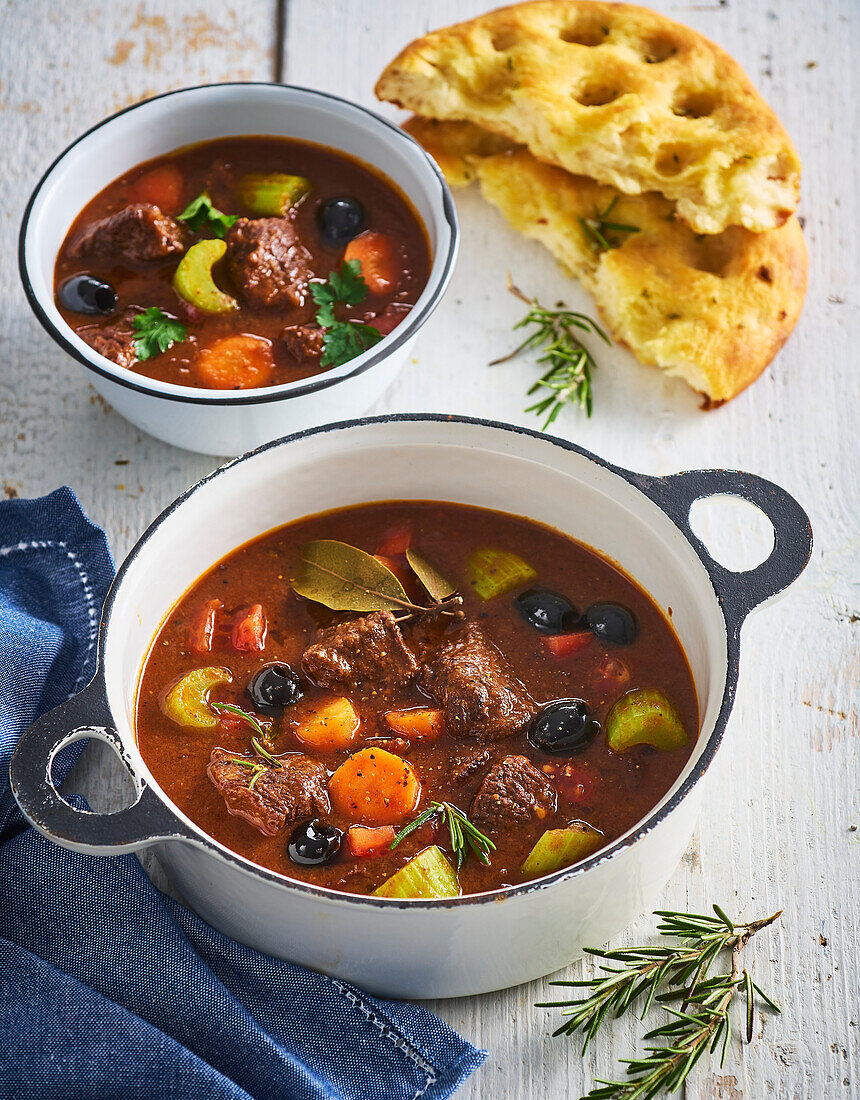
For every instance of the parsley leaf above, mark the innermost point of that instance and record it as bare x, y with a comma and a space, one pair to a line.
200, 212
156, 332
343, 340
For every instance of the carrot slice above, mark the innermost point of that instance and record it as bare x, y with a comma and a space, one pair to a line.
422, 723
367, 841
379, 267
162, 187
376, 786
235, 363
332, 725
201, 629
249, 629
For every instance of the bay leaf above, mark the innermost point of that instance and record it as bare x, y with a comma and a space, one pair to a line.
344, 578
438, 587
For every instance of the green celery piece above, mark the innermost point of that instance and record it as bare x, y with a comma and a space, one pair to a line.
559, 848
427, 875
645, 717
494, 571
187, 702
193, 280
271, 194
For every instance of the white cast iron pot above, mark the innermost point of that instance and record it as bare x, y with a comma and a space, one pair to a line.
217, 421
416, 949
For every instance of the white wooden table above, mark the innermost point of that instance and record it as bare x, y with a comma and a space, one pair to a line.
780, 825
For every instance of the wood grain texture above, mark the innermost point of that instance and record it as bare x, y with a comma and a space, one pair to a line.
779, 824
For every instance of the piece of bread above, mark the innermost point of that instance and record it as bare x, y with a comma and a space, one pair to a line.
615, 92
713, 309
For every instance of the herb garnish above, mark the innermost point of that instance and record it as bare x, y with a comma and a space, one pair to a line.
598, 229
569, 362
665, 973
259, 733
344, 578
465, 837
156, 332
342, 340
200, 212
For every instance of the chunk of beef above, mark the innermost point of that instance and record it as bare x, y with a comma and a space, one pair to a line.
293, 792
303, 341
115, 341
137, 233
268, 262
476, 687
366, 653
513, 790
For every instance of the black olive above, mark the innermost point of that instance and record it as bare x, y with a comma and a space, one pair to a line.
85, 294
275, 687
314, 843
340, 220
612, 623
565, 726
548, 612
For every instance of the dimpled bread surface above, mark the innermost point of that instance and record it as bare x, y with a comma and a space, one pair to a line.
713, 309
614, 92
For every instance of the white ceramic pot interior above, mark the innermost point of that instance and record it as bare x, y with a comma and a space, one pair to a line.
201, 114
418, 460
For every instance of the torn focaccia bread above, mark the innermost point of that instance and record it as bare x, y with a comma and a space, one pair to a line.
615, 92
713, 310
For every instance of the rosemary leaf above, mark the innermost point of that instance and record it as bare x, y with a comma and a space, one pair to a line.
465, 837
568, 363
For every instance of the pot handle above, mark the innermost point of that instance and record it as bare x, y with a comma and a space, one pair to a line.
83, 716
738, 593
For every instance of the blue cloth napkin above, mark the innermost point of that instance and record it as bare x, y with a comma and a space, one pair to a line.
109, 988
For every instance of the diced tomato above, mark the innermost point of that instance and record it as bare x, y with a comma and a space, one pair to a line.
201, 629
231, 722
562, 645
366, 841
574, 782
421, 723
612, 670
389, 319
162, 187
249, 629
379, 262
397, 568
396, 540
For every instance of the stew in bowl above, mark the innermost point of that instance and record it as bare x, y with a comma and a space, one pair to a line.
416, 699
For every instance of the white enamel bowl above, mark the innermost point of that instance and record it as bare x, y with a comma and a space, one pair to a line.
215, 421
416, 949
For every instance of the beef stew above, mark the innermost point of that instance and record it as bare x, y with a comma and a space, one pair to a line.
240, 263
459, 700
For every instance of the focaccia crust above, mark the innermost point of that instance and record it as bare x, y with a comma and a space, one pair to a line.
615, 92
712, 309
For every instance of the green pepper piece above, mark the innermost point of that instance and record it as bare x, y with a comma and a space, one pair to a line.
645, 717
559, 848
271, 194
494, 571
187, 702
193, 280
427, 875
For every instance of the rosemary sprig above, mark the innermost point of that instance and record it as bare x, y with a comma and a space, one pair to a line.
569, 363
259, 732
664, 973
598, 229
465, 837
